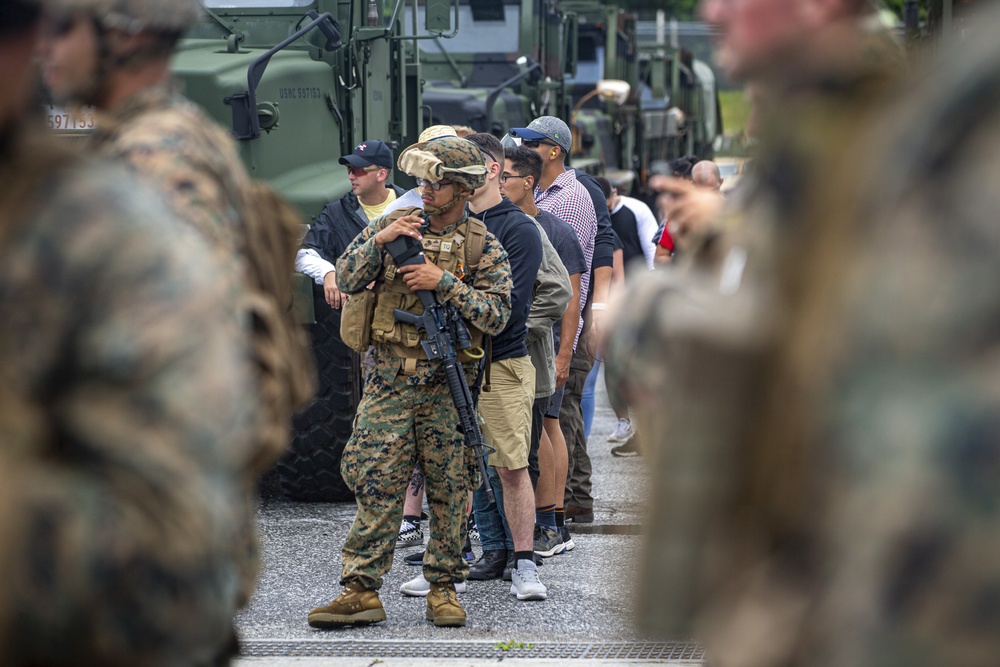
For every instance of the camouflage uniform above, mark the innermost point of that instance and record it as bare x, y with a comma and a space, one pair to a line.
175, 148
912, 414
182, 153
727, 368
409, 419
125, 426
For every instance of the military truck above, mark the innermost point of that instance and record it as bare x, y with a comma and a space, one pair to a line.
633, 105
497, 64
505, 62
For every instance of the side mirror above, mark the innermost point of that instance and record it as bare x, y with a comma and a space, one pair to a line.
437, 16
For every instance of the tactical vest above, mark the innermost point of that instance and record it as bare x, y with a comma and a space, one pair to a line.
458, 253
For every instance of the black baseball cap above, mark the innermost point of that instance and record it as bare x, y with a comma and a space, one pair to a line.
369, 153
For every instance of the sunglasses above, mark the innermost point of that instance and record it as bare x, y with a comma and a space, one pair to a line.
533, 143
435, 186
361, 171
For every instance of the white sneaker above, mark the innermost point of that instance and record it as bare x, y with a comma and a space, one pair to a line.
623, 431
524, 582
418, 587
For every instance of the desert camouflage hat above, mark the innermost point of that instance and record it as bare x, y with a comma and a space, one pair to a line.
134, 15
436, 132
446, 157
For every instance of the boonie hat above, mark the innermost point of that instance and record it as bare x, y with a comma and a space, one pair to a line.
546, 127
436, 132
445, 157
369, 153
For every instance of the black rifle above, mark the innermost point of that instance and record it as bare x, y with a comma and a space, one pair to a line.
444, 331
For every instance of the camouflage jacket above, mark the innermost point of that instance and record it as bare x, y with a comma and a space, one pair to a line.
180, 152
125, 412
485, 303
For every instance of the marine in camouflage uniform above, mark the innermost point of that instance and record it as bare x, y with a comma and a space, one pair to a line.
124, 428
177, 150
406, 416
727, 359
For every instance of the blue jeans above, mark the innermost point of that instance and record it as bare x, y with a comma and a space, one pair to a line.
490, 520
587, 401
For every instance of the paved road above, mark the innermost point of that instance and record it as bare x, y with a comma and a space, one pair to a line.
586, 620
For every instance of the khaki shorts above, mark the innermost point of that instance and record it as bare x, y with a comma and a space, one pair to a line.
506, 412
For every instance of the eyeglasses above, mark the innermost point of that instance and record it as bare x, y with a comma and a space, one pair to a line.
358, 172
505, 177
435, 186
532, 143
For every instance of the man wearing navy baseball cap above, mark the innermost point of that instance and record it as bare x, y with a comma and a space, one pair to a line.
371, 153
369, 166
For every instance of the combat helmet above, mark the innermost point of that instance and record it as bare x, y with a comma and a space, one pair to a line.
133, 16
458, 160
452, 158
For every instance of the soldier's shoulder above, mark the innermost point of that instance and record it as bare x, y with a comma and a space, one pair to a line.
493, 250
180, 126
100, 211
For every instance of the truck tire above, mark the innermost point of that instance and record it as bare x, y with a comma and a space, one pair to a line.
310, 470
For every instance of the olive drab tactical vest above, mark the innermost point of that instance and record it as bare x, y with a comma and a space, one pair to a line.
458, 253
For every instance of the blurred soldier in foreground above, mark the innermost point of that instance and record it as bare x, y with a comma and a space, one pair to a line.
407, 415
124, 409
116, 55
724, 357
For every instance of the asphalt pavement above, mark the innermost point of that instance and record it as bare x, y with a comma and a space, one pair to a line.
586, 620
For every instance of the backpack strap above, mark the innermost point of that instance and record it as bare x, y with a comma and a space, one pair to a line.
475, 240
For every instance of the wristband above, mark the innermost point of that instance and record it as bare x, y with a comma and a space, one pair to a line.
598, 306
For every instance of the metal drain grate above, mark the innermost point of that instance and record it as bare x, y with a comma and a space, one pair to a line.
683, 651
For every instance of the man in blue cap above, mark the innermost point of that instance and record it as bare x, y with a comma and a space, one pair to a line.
369, 166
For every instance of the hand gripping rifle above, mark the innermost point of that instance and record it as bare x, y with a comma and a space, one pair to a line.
445, 331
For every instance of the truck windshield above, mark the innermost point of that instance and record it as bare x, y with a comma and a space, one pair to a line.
255, 4
491, 34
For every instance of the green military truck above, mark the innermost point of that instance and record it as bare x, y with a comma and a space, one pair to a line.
634, 106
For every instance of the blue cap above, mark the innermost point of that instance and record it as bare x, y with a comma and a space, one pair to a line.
543, 128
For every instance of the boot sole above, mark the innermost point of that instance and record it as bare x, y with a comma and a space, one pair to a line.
490, 576
445, 621
557, 549
327, 620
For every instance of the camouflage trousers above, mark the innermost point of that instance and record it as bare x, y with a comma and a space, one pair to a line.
398, 426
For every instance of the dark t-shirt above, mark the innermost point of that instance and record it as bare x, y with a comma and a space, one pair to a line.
567, 245
624, 223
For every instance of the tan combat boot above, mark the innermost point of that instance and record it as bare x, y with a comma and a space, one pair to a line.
356, 605
443, 607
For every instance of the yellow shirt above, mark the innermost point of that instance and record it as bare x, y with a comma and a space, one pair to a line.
372, 212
